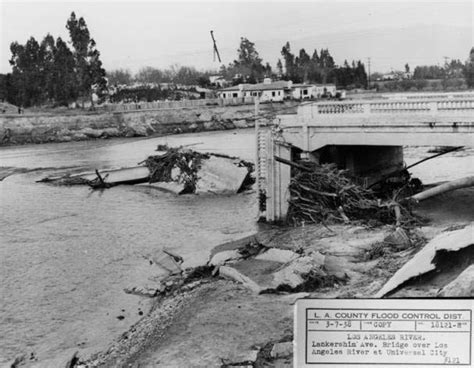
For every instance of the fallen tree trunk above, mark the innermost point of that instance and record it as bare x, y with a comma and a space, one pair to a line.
443, 188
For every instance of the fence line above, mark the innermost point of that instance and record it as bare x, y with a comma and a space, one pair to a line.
156, 105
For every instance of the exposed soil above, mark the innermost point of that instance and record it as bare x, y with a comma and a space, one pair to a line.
220, 323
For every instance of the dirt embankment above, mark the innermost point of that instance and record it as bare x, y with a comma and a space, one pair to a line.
22, 129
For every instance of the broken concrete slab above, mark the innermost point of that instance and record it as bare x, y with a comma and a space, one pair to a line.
166, 262
220, 175
233, 274
121, 176
462, 286
422, 262
244, 357
149, 291
277, 255
282, 349
224, 257
66, 359
169, 187
292, 274
235, 244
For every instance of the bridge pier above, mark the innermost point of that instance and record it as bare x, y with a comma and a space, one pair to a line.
364, 137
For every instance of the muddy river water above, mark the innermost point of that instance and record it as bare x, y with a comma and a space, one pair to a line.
67, 253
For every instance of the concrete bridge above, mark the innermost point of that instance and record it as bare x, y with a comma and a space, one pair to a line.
365, 137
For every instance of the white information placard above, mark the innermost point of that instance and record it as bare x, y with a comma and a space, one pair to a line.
409, 333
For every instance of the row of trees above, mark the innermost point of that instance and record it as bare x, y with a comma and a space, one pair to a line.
453, 69
317, 68
50, 72
185, 75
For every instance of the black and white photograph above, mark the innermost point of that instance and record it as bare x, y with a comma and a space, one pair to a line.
230, 183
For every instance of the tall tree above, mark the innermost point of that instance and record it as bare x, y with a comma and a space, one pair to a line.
326, 63
289, 60
90, 74
248, 62
279, 68
64, 77
27, 73
469, 70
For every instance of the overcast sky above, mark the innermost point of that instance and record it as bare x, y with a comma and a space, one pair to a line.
157, 33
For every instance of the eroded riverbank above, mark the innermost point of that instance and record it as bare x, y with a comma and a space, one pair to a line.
43, 128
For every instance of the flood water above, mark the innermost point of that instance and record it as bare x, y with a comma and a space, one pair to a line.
67, 253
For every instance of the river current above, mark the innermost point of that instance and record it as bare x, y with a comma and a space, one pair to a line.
67, 253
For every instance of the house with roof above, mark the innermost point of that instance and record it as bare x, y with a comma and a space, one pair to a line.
279, 91
301, 91
324, 90
266, 91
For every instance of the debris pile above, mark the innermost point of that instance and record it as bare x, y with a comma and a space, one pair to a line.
179, 165
177, 170
323, 193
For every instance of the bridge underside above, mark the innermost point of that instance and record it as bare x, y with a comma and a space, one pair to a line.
311, 138
366, 138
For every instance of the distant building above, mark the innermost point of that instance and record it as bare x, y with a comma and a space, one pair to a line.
218, 81
396, 75
302, 91
309, 91
266, 91
279, 91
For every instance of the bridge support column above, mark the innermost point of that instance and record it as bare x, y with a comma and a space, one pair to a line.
279, 176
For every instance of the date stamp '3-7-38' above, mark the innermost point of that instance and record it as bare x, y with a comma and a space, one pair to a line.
383, 333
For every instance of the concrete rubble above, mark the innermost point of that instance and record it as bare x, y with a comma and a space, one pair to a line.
155, 275
423, 261
282, 349
67, 359
290, 269
251, 317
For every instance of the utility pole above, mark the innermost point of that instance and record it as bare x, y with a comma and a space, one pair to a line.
216, 52
368, 75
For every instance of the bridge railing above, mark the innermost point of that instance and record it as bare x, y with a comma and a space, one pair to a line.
428, 95
321, 111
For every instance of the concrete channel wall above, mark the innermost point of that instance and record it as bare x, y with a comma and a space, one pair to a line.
22, 129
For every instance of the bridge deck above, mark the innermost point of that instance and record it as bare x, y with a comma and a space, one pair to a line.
443, 122
434, 120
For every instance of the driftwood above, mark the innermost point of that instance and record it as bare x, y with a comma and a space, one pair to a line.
443, 188
187, 163
323, 193
99, 182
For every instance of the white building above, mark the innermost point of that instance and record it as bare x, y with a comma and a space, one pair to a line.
302, 91
266, 91
324, 90
279, 91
